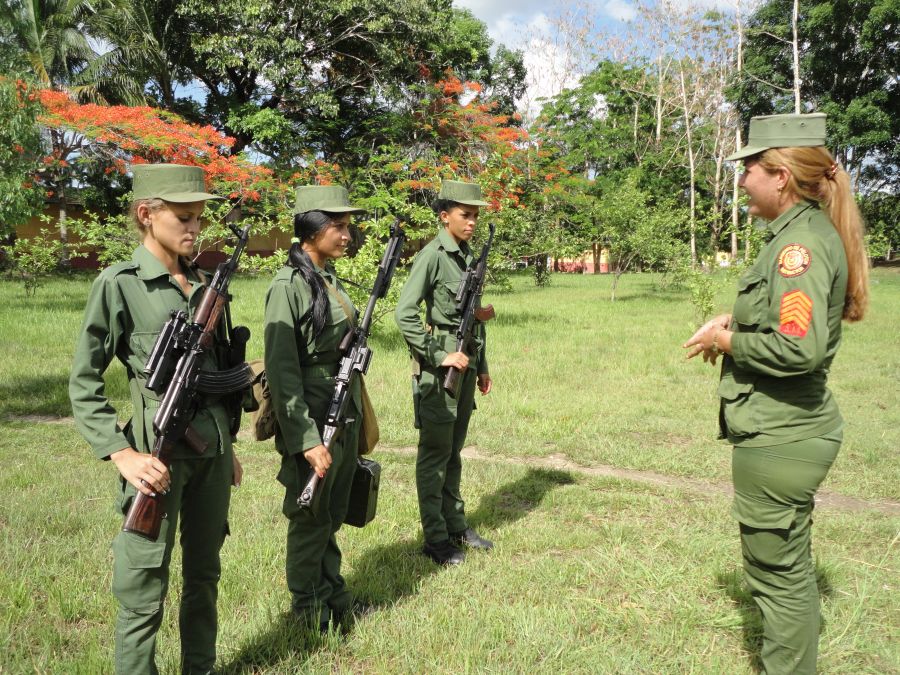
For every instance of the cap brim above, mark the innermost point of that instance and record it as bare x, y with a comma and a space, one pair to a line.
470, 202
186, 197
746, 151
352, 210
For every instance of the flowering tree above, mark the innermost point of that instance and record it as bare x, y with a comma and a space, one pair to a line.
82, 135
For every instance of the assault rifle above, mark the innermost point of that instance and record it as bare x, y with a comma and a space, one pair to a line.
356, 357
468, 297
173, 372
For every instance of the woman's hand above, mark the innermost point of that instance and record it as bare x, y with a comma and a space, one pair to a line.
701, 342
319, 459
456, 360
485, 384
146, 472
238, 471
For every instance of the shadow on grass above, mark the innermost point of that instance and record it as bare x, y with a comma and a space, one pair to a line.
385, 574
36, 395
751, 619
517, 498
287, 640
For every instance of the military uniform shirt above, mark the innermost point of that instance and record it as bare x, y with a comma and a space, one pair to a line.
300, 368
787, 323
128, 305
435, 277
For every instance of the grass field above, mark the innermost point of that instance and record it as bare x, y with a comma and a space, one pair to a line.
625, 560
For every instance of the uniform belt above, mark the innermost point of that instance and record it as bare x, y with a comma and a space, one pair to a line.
446, 329
320, 370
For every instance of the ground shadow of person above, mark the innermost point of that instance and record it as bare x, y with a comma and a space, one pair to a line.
385, 574
751, 621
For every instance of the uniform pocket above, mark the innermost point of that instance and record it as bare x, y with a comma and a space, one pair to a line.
434, 403
752, 303
737, 405
138, 553
141, 344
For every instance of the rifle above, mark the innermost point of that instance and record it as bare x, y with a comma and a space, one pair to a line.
173, 372
468, 296
356, 357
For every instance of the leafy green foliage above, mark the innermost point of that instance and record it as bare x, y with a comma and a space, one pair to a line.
20, 151
35, 259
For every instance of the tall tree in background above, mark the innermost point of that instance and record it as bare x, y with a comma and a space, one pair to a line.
849, 67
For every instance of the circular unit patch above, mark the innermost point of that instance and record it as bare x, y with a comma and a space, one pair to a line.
793, 260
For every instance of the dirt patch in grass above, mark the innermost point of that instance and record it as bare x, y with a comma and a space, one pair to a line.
559, 461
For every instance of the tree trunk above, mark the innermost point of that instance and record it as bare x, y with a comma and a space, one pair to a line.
64, 261
692, 168
595, 254
735, 196
795, 17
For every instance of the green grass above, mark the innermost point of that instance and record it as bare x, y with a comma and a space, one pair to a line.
590, 574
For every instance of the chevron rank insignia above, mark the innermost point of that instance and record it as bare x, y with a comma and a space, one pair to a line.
796, 313
793, 260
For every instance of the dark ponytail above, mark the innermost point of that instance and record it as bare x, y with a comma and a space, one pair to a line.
306, 226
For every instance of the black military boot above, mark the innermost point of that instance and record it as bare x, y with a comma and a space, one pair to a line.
470, 538
444, 553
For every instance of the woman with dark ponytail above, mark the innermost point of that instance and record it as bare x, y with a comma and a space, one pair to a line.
307, 315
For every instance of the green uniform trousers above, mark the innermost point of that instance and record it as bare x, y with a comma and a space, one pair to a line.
198, 497
774, 489
443, 424
313, 561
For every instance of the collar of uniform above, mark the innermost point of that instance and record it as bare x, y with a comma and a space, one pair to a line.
785, 218
151, 267
449, 244
328, 272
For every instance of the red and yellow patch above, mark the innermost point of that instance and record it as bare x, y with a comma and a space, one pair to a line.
793, 260
796, 313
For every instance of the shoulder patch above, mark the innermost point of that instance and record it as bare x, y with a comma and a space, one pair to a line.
793, 260
795, 314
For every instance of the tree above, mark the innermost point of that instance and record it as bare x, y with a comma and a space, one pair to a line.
20, 151
849, 68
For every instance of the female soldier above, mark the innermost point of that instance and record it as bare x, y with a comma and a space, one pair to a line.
307, 316
779, 343
128, 304
443, 422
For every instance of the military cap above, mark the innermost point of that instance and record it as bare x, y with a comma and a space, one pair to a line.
462, 193
782, 131
170, 182
328, 198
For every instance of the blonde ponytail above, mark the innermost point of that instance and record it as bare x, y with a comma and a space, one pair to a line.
816, 177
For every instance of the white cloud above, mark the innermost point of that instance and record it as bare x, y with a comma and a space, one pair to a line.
620, 10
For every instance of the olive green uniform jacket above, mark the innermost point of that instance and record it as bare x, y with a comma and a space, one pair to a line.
787, 323
300, 369
128, 305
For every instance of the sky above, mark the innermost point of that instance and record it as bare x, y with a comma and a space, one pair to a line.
532, 26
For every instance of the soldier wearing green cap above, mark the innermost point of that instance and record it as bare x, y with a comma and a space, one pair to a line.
443, 421
307, 315
128, 304
778, 344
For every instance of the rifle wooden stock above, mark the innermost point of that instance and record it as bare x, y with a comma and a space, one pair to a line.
451, 381
145, 515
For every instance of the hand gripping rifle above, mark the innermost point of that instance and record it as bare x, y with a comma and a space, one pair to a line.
173, 372
356, 359
467, 300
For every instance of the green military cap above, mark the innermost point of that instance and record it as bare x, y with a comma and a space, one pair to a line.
782, 131
328, 198
462, 193
171, 182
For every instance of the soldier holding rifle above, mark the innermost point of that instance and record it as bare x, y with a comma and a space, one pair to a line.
307, 316
128, 305
442, 413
